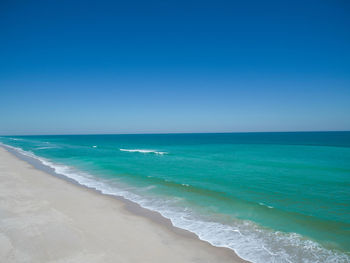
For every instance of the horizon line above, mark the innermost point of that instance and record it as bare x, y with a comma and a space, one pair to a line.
165, 133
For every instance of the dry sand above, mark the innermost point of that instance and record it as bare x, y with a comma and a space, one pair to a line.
47, 219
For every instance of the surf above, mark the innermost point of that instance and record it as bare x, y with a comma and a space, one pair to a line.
142, 151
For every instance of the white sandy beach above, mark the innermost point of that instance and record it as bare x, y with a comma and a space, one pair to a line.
47, 219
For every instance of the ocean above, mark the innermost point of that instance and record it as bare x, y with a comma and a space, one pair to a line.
271, 197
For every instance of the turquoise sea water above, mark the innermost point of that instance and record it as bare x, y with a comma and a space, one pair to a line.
272, 197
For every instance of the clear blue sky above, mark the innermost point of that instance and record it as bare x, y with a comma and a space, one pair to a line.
174, 66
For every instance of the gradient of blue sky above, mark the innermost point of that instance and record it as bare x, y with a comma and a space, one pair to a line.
174, 66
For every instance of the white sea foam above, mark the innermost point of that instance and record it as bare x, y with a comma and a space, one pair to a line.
249, 240
142, 151
94, 146
266, 205
45, 147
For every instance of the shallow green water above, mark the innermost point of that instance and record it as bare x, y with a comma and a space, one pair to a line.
260, 188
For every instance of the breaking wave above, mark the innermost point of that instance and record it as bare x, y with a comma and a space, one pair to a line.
142, 151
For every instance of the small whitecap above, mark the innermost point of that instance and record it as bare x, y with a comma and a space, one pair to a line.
142, 151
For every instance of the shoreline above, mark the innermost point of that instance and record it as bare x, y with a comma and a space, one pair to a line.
190, 248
